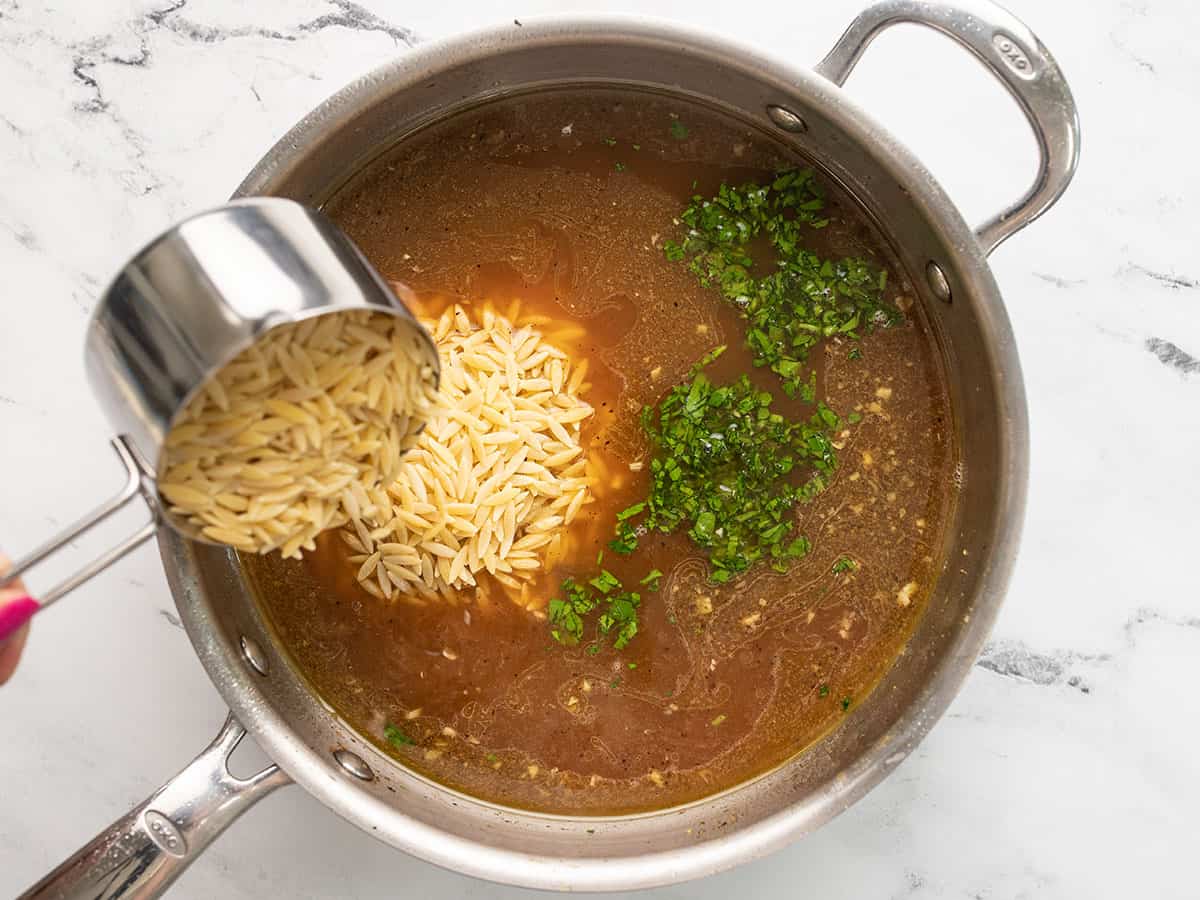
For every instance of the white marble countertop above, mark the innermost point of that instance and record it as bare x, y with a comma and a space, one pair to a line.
1066, 768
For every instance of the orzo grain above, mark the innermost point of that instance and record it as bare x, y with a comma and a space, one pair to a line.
297, 433
495, 477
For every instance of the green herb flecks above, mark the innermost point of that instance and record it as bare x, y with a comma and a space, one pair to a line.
626, 540
679, 131
823, 691
396, 737
846, 701
618, 611
621, 618
566, 615
731, 470
844, 564
806, 299
650, 582
605, 582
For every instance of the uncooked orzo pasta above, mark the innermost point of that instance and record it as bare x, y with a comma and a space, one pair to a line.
496, 476
293, 435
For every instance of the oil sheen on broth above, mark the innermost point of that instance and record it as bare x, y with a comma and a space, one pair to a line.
564, 202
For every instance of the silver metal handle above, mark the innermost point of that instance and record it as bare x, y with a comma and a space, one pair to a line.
1017, 58
138, 481
141, 855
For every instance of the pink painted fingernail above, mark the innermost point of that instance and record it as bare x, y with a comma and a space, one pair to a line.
14, 614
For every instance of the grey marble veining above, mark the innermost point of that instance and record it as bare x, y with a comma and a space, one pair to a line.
1067, 768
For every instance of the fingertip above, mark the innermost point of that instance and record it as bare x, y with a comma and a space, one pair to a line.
10, 653
15, 615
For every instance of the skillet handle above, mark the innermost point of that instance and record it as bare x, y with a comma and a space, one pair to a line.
140, 855
1014, 55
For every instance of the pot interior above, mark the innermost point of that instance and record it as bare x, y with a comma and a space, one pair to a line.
912, 217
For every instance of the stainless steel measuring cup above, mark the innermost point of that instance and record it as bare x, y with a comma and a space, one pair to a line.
184, 306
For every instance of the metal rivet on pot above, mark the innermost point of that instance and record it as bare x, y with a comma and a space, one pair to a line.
254, 655
786, 119
353, 763
937, 281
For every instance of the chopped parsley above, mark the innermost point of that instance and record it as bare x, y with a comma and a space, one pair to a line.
731, 470
650, 582
823, 691
632, 665
395, 736
846, 701
621, 618
618, 611
805, 299
611, 141
724, 465
605, 582
620, 167
679, 131
626, 540
566, 616
854, 418
855, 353
630, 511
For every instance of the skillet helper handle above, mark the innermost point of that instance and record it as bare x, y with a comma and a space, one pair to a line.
1014, 55
140, 855
138, 481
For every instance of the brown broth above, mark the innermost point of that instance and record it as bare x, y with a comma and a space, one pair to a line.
721, 683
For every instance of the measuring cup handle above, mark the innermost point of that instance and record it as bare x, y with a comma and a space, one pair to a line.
139, 481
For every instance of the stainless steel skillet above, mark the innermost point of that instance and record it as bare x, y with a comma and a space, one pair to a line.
144, 852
